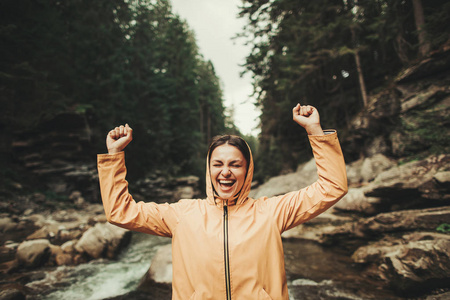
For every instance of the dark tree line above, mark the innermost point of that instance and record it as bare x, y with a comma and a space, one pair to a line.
114, 61
330, 54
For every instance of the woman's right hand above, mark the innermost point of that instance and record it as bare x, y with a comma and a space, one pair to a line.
118, 138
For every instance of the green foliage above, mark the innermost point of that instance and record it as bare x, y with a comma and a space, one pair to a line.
116, 61
306, 51
423, 130
443, 228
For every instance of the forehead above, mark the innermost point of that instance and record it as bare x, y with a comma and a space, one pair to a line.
227, 152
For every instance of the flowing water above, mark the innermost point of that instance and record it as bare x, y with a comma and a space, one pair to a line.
101, 278
313, 272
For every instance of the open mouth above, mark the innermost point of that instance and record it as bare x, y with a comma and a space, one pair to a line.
226, 184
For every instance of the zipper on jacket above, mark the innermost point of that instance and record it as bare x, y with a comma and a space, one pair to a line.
226, 254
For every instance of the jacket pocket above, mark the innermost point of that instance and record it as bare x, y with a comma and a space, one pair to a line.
263, 295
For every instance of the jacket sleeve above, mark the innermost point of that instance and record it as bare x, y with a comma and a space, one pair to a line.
298, 207
120, 207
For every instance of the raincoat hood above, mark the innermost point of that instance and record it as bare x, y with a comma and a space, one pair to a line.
241, 197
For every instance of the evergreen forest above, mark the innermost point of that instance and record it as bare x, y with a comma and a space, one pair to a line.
117, 61
111, 61
332, 54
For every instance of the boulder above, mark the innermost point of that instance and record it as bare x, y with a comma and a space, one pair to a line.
356, 201
7, 224
64, 259
103, 240
34, 253
305, 175
415, 179
443, 178
374, 165
416, 263
315, 228
388, 223
160, 189
46, 232
160, 271
13, 292
354, 177
69, 247
183, 192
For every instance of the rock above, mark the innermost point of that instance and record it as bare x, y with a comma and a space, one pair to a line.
433, 65
77, 198
188, 180
28, 212
69, 246
12, 294
377, 146
63, 259
416, 263
443, 178
374, 165
414, 179
305, 175
354, 177
358, 172
315, 228
356, 201
46, 232
34, 253
58, 151
423, 97
67, 235
160, 271
103, 240
420, 129
7, 224
184, 192
443, 296
388, 223
160, 189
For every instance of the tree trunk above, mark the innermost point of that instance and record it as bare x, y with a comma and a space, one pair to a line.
362, 85
424, 45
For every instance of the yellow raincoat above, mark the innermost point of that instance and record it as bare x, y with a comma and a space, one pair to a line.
227, 251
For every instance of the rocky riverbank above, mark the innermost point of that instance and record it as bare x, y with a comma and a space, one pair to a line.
394, 222
36, 238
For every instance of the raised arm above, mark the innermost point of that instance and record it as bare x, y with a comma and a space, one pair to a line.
120, 207
300, 206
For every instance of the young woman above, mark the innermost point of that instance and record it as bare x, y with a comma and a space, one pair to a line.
227, 246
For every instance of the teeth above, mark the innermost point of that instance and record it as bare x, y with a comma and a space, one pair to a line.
226, 181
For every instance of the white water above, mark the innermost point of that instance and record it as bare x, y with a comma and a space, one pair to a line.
102, 278
313, 272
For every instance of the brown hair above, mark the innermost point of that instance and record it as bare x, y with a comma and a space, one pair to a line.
232, 140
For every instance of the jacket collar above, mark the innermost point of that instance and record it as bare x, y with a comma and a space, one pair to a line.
214, 199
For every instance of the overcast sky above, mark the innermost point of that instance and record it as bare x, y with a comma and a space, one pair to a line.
215, 22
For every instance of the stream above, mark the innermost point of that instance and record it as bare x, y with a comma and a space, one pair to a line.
313, 272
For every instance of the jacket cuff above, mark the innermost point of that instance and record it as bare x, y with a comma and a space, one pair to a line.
329, 134
110, 158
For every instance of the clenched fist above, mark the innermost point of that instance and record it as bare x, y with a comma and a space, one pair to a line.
308, 117
118, 138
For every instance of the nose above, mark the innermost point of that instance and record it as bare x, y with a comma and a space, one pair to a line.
226, 172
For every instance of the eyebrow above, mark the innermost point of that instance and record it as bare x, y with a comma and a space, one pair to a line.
233, 161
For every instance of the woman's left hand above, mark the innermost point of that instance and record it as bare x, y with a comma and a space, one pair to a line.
308, 117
